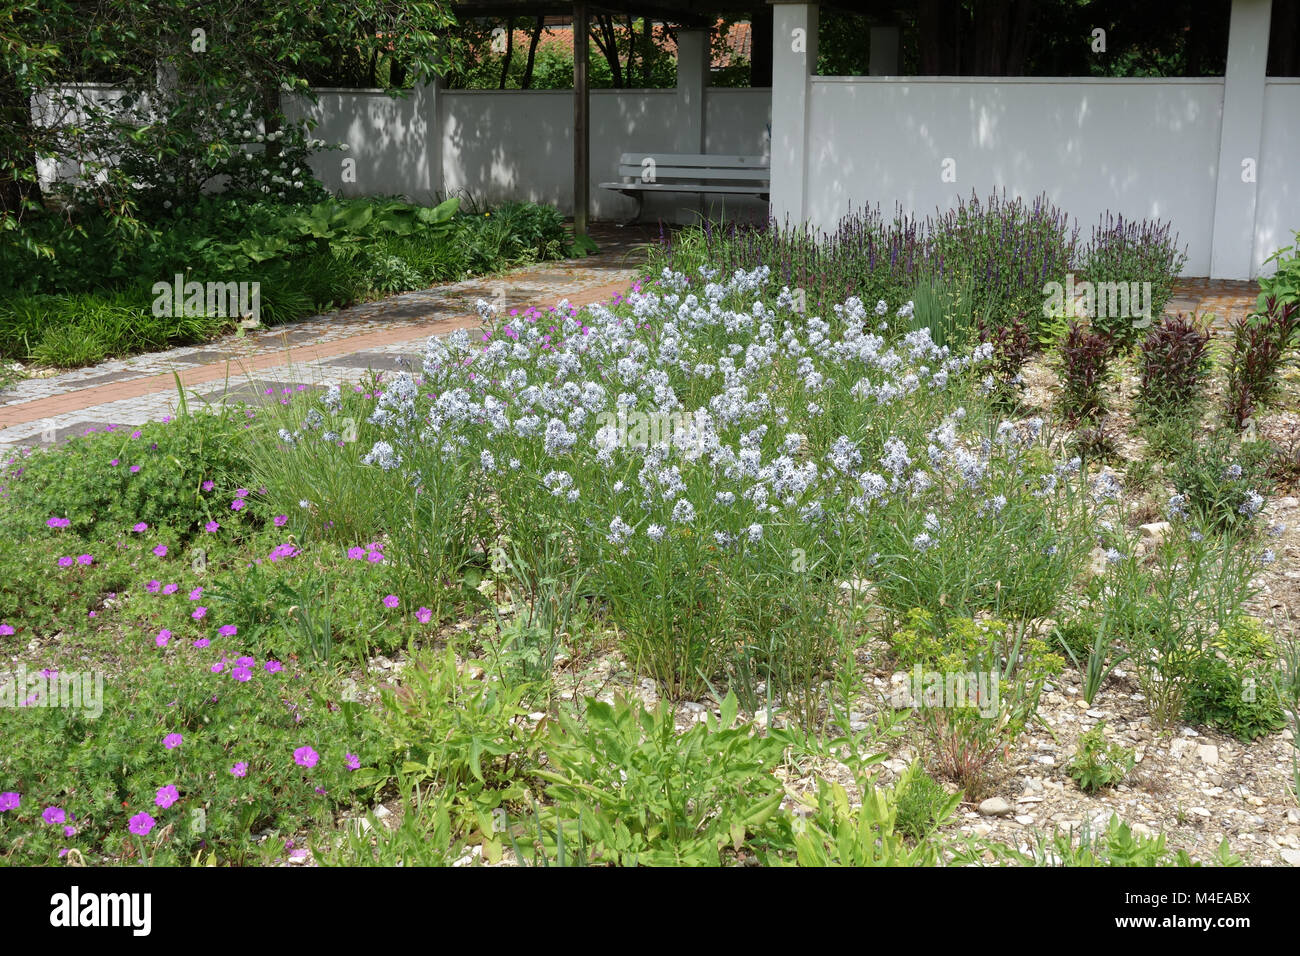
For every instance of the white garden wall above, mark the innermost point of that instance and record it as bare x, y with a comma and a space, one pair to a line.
496, 146
1140, 148
1277, 215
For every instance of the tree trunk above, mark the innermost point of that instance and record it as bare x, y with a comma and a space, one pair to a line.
607, 42
510, 52
532, 54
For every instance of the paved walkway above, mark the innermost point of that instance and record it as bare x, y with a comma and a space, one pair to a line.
383, 336
324, 349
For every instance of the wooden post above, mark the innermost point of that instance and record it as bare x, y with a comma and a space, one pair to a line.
581, 128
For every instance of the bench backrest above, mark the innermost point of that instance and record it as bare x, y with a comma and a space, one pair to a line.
662, 167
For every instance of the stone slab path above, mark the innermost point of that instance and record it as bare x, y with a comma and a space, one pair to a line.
383, 336
325, 349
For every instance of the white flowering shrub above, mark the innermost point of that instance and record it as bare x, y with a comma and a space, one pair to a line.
799, 457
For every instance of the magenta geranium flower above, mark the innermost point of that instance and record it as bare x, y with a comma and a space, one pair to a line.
54, 815
218, 667
140, 526
391, 601
228, 630
10, 801
172, 741
6, 630
273, 667
58, 522
356, 554
134, 469
160, 550
353, 761
141, 824
202, 642
211, 527
153, 586
170, 588
240, 769
241, 492
166, 796
199, 613
374, 557
424, 615
65, 562
196, 594
237, 504
163, 637
242, 674
280, 520
305, 757
207, 486
85, 559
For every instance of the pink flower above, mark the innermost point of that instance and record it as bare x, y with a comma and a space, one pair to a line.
85, 559
237, 504
356, 554
240, 769
228, 630
280, 520
134, 469
6, 630
140, 526
305, 757
202, 642
170, 588
199, 613
242, 674
353, 762
160, 550
196, 594
141, 824
166, 796
391, 601
53, 815
241, 492
211, 527
153, 586
207, 486
218, 667
424, 615
273, 667
163, 637
172, 741
65, 562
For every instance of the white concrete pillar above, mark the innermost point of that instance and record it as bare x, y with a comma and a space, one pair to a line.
692, 81
1239, 140
885, 45
794, 61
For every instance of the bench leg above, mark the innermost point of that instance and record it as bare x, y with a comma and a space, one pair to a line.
636, 216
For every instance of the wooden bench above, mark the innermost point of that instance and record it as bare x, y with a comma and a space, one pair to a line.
647, 173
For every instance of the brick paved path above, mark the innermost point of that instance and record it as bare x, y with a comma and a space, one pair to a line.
384, 336
323, 349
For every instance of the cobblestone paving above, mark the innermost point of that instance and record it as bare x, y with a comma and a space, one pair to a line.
320, 350
338, 347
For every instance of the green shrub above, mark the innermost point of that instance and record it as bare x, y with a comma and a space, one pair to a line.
639, 792
1234, 687
1097, 764
153, 473
923, 805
